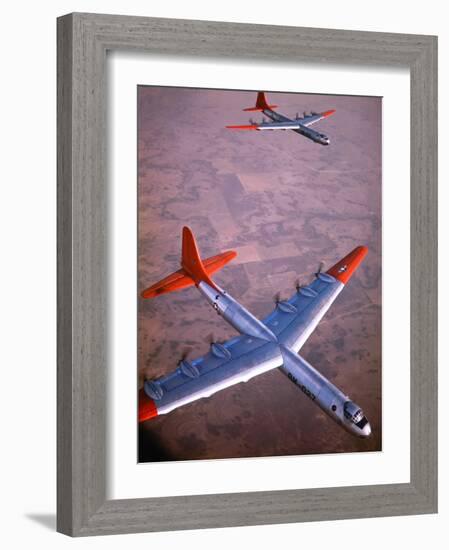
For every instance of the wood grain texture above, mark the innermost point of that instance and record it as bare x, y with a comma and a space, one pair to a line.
83, 40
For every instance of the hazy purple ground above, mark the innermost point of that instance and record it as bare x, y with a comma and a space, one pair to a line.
284, 203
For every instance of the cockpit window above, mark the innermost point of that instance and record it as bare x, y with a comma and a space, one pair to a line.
353, 412
362, 423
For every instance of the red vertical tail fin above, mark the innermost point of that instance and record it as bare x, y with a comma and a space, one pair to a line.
190, 255
261, 104
191, 260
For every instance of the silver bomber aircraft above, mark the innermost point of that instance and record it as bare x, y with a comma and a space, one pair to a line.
300, 125
262, 345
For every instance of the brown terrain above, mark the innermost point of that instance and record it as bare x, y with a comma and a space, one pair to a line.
284, 203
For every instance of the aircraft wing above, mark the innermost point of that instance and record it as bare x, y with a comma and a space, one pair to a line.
278, 125
315, 117
294, 320
237, 360
284, 125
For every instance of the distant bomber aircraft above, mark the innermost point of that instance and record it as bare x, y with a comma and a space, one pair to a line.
281, 122
262, 345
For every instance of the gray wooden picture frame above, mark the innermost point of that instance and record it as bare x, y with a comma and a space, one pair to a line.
83, 41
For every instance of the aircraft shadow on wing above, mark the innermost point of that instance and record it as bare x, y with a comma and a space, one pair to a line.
262, 345
300, 125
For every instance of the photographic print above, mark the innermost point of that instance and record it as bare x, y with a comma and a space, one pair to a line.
259, 273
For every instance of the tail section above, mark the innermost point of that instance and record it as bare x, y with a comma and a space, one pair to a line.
193, 268
261, 104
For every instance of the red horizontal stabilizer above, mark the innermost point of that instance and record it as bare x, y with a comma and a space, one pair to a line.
261, 104
215, 263
345, 268
191, 259
328, 113
147, 407
176, 281
243, 127
259, 109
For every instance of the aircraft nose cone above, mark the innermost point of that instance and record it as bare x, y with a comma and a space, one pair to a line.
366, 430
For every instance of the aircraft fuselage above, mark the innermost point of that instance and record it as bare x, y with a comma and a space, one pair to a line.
305, 131
314, 385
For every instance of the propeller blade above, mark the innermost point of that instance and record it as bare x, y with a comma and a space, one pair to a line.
320, 268
185, 353
210, 339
